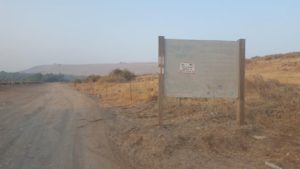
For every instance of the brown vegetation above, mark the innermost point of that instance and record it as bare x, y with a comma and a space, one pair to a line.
284, 67
202, 133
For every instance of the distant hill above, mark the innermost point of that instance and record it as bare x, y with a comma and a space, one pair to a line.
93, 69
283, 67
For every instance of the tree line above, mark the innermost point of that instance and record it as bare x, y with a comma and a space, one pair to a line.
37, 77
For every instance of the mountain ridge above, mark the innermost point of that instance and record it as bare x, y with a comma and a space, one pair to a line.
94, 69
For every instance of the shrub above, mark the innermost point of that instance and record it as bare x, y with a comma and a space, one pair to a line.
78, 81
266, 88
119, 75
93, 78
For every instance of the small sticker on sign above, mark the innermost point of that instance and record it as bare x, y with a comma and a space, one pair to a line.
187, 67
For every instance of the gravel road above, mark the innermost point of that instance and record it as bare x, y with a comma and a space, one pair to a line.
52, 126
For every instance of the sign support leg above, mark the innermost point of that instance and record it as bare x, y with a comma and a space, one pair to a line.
240, 117
161, 53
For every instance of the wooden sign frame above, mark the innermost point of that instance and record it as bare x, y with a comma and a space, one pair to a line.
241, 80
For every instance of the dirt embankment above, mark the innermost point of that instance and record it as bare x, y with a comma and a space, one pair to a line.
207, 138
201, 133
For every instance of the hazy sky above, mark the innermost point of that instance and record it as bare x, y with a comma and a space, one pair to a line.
35, 32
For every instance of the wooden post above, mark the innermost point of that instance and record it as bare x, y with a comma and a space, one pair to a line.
240, 117
161, 55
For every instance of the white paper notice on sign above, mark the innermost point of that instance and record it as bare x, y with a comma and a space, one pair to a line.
186, 67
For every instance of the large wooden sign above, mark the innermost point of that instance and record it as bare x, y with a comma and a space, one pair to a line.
201, 68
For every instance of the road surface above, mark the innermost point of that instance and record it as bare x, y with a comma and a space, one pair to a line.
52, 126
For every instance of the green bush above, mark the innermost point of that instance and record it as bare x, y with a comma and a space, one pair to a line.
93, 78
119, 75
78, 81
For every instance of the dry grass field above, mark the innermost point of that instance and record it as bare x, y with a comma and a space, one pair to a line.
141, 90
282, 67
202, 133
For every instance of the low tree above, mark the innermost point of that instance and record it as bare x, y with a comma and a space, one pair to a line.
93, 78
119, 75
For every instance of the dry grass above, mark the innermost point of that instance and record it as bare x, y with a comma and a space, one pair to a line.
142, 89
202, 132
267, 100
284, 68
266, 72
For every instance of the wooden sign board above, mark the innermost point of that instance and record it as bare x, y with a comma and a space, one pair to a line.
201, 68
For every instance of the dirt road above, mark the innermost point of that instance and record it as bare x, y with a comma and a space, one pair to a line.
52, 126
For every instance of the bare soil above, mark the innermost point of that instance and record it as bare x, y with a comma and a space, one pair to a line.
52, 126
